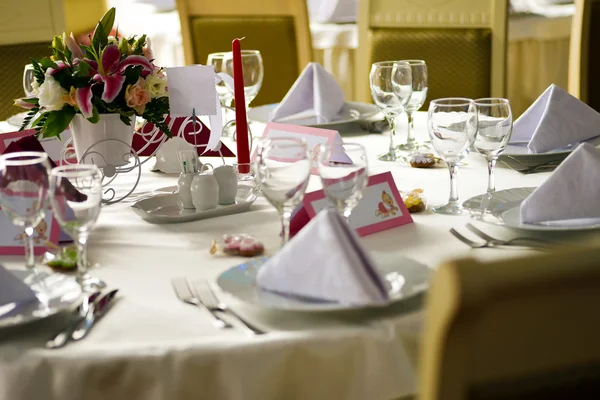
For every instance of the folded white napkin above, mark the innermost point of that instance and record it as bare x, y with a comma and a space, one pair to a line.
324, 261
13, 292
555, 120
314, 94
570, 193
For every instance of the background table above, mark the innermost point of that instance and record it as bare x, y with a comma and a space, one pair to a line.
151, 346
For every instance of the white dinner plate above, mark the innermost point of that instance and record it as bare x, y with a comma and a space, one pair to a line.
520, 152
353, 111
503, 208
405, 278
164, 207
56, 292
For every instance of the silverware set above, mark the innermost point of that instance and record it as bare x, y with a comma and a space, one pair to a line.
528, 168
93, 307
488, 241
201, 295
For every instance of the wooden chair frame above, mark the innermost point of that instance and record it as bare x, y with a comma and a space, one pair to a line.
578, 53
490, 14
259, 8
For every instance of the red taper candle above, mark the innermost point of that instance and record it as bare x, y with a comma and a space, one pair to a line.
241, 123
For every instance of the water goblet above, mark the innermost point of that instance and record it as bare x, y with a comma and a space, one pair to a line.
282, 169
252, 70
417, 99
225, 94
28, 79
24, 194
452, 125
77, 216
495, 123
391, 89
344, 181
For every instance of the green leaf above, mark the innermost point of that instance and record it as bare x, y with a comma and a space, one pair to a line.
57, 121
30, 100
95, 116
138, 46
38, 73
108, 20
82, 70
132, 74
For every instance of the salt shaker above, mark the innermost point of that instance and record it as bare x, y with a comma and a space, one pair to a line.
184, 185
205, 191
228, 184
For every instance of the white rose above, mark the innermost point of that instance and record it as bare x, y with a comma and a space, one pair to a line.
156, 86
51, 95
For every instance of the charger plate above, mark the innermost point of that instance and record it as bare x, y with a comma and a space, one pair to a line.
352, 111
405, 279
502, 208
164, 207
56, 293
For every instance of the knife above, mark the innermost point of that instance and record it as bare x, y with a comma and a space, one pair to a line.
96, 310
62, 337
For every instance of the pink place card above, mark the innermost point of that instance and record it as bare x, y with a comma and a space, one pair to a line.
380, 208
12, 238
53, 146
314, 137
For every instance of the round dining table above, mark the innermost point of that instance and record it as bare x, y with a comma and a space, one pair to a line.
152, 346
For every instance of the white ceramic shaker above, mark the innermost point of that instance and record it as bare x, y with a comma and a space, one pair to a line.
184, 186
205, 191
228, 184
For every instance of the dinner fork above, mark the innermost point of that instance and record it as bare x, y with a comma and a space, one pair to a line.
206, 295
184, 293
536, 242
497, 243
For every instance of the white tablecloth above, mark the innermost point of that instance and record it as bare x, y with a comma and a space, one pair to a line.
151, 346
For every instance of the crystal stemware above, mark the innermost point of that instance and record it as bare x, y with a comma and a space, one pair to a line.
452, 125
28, 80
253, 72
77, 213
391, 89
24, 193
417, 99
282, 168
344, 179
225, 94
493, 133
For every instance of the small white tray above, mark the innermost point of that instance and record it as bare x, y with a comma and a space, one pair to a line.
165, 208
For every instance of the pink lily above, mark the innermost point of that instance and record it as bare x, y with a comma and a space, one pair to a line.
72, 45
110, 72
23, 104
60, 65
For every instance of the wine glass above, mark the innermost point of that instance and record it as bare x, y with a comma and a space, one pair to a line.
452, 125
391, 89
417, 99
28, 79
77, 213
493, 133
253, 72
344, 181
24, 193
225, 94
282, 168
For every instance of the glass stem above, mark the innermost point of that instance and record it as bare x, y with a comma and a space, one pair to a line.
410, 136
286, 216
29, 253
392, 123
491, 181
453, 183
82, 263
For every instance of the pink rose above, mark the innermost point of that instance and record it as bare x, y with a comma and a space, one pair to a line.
136, 96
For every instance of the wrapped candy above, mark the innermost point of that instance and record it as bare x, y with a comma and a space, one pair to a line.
238, 245
414, 200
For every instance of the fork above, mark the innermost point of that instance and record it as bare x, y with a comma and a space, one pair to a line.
533, 242
184, 293
495, 242
207, 297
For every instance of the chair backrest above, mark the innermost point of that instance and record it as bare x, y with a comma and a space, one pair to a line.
277, 28
584, 59
516, 329
463, 43
81, 16
26, 31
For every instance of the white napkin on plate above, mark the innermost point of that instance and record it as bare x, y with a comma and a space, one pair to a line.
314, 94
555, 120
324, 261
572, 192
13, 292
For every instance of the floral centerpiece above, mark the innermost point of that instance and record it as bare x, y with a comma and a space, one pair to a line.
112, 75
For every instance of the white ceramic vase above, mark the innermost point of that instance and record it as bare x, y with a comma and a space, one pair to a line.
107, 142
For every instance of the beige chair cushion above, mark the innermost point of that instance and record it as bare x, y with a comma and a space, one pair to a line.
458, 60
274, 37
